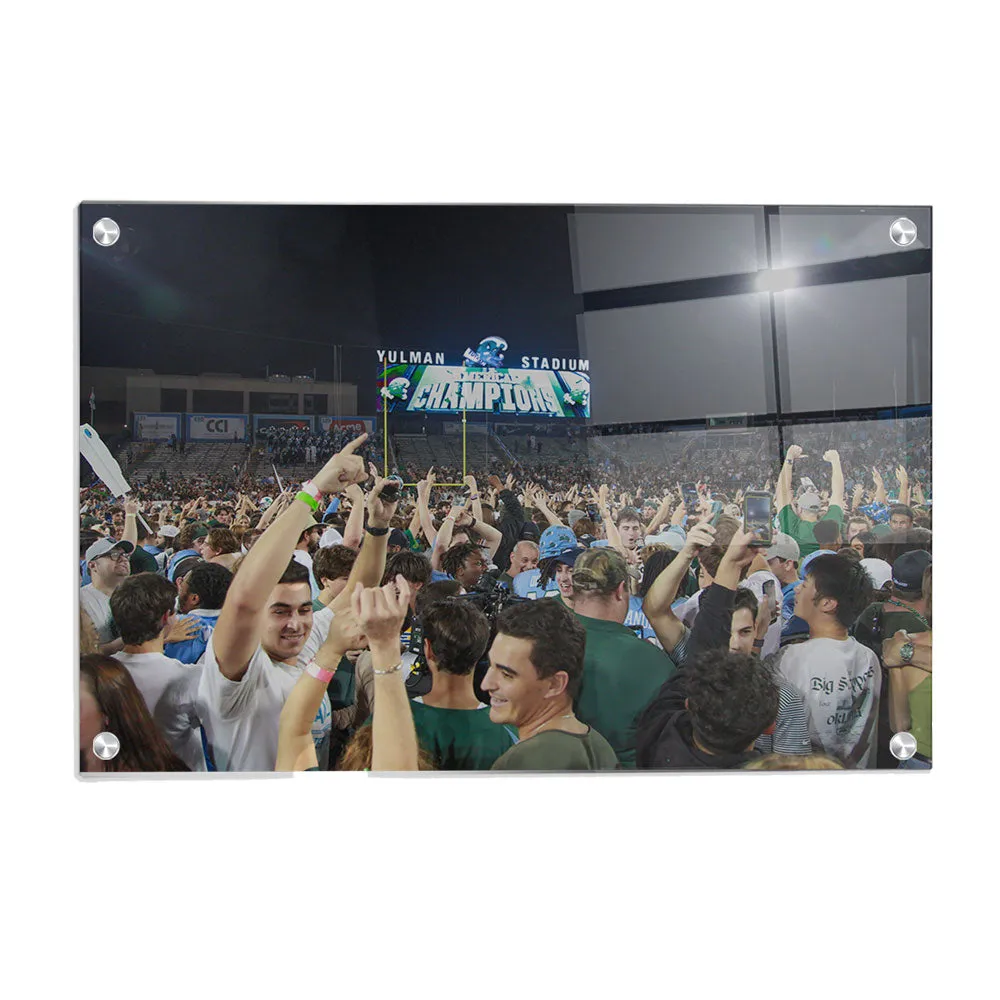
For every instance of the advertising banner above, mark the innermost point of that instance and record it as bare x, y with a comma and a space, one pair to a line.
156, 426
291, 420
216, 426
482, 382
353, 425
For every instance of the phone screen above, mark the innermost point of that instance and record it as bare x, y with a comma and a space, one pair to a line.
458, 502
759, 510
690, 493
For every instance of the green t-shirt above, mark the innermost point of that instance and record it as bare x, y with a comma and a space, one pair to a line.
621, 674
802, 531
920, 716
555, 750
460, 739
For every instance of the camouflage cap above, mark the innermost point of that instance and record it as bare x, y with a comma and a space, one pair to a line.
600, 570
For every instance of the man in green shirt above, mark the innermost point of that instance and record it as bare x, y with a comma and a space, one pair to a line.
800, 525
536, 666
452, 724
621, 672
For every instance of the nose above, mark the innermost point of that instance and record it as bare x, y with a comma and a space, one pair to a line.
489, 681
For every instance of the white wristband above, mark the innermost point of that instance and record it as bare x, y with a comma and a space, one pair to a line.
312, 489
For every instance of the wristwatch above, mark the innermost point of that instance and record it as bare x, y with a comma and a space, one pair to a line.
906, 652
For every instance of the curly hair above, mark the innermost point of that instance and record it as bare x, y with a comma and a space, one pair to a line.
454, 558
732, 699
223, 541
335, 562
210, 582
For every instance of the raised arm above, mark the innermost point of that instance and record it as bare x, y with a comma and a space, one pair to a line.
443, 541
380, 613
784, 493
836, 478
354, 529
369, 567
237, 634
880, 495
130, 533
662, 594
539, 500
474, 502
904, 485
859, 493
661, 515
296, 748
610, 528
423, 499
487, 532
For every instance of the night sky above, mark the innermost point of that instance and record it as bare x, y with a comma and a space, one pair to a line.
236, 288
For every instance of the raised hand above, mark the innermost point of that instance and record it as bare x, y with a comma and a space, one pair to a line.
740, 551
380, 512
901, 476
380, 611
494, 481
699, 537
878, 477
343, 468
794, 452
131, 507
602, 495
831, 456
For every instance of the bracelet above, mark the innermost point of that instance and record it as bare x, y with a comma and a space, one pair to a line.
313, 669
391, 670
307, 499
312, 489
758, 644
377, 532
473, 522
476, 497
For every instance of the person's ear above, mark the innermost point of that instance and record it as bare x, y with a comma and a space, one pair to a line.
194, 599
557, 684
428, 653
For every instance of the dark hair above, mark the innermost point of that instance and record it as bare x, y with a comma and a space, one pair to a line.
315, 526
826, 532
412, 566
901, 508
454, 558
142, 745
438, 590
558, 639
654, 566
746, 598
732, 699
890, 547
222, 540
849, 552
584, 526
87, 538
210, 582
335, 562
458, 633
295, 572
627, 514
845, 582
869, 541
139, 607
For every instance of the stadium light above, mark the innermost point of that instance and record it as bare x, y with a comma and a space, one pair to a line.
777, 280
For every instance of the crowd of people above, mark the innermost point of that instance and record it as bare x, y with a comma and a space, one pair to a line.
559, 615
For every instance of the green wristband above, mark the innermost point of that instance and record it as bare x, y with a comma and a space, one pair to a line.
307, 499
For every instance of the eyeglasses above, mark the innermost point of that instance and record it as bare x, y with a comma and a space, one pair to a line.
117, 554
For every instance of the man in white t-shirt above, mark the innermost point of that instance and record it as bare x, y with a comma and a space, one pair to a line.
143, 607
108, 565
838, 678
251, 662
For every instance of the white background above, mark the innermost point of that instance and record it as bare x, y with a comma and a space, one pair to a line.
832, 885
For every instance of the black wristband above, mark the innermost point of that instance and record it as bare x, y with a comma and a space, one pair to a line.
377, 532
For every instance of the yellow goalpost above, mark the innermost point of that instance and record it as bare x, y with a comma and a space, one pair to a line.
385, 438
